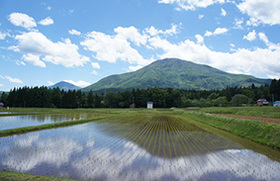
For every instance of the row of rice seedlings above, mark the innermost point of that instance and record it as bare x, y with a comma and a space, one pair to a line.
147, 145
184, 140
227, 158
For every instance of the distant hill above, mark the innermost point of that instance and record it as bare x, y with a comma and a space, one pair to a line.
65, 85
175, 73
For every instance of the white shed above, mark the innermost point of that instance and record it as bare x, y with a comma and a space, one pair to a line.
149, 105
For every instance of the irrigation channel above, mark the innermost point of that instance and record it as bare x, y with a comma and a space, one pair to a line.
136, 147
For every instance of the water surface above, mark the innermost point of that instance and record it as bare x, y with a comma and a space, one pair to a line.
10, 122
157, 148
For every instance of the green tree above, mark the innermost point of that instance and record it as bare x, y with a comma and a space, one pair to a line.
90, 99
239, 99
220, 102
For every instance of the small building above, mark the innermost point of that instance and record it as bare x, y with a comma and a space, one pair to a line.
1, 104
132, 106
149, 105
262, 102
276, 104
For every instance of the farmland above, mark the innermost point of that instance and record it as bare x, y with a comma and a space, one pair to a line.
140, 144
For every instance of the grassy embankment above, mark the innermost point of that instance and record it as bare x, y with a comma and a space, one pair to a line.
264, 133
14, 176
268, 112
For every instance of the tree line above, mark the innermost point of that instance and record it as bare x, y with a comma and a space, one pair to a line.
161, 97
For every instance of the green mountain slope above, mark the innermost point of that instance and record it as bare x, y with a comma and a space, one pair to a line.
175, 73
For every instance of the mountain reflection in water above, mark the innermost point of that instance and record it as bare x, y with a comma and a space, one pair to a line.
158, 148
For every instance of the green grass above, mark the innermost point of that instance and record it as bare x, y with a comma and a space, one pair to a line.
264, 133
269, 112
14, 176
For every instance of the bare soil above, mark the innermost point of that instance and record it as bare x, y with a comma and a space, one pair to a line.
263, 119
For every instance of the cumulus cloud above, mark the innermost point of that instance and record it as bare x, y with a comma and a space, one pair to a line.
95, 65
46, 21
254, 62
37, 49
199, 39
23, 20
263, 37
169, 32
261, 11
216, 32
79, 83
111, 48
74, 32
223, 12
251, 36
134, 68
191, 4
33, 59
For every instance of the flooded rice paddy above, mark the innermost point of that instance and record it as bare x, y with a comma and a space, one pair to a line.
10, 122
140, 147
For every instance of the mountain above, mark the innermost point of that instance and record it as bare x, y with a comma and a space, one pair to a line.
65, 85
175, 73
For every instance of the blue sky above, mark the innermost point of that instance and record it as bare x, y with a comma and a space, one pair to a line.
43, 42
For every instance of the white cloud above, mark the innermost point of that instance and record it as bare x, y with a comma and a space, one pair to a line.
251, 36
269, 44
3, 35
79, 83
238, 23
95, 65
13, 80
50, 83
254, 62
46, 21
253, 22
94, 72
200, 16
19, 63
134, 68
199, 39
111, 48
48, 8
1, 85
38, 49
216, 32
191, 4
74, 32
132, 34
169, 32
263, 37
23, 20
261, 11
223, 12
33, 59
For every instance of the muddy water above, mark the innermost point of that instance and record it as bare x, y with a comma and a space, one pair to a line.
10, 122
140, 148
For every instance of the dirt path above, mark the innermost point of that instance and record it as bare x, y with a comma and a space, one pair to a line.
263, 119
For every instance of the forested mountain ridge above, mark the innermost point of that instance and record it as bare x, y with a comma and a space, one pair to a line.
177, 74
